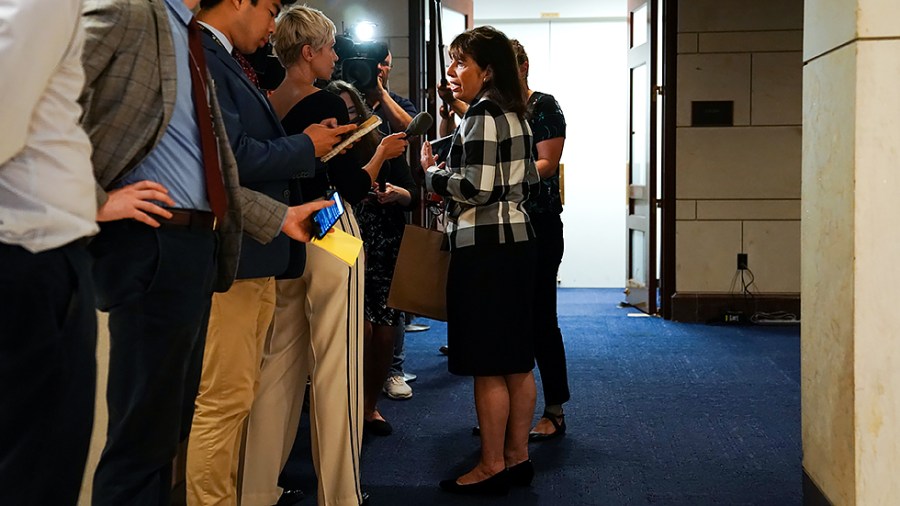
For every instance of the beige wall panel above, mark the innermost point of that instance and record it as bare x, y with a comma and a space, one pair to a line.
687, 43
777, 97
773, 254
705, 253
685, 209
877, 276
399, 80
828, 24
729, 163
714, 77
739, 15
399, 47
730, 42
879, 18
390, 16
827, 275
749, 210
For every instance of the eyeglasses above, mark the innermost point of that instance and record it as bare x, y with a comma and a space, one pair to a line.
384, 63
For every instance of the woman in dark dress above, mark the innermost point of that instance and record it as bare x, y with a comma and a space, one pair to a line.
549, 128
489, 174
382, 220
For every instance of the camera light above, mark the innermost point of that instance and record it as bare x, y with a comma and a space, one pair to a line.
364, 31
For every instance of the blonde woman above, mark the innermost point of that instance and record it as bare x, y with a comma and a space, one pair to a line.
318, 327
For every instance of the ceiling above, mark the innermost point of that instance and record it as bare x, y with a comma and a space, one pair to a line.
532, 9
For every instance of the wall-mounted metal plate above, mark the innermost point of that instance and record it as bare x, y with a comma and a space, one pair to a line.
712, 113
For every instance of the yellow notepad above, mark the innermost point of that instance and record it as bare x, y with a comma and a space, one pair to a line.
340, 244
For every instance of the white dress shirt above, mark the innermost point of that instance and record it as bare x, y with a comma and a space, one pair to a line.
47, 191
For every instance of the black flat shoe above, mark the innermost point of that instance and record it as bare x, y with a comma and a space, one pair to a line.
497, 484
559, 426
378, 427
521, 474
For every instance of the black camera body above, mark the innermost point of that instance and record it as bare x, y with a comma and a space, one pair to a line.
268, 69
358, 62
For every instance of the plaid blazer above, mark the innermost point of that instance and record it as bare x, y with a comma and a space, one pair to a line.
490, 172
128, 99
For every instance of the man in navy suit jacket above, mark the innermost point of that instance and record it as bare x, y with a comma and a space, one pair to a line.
267, 160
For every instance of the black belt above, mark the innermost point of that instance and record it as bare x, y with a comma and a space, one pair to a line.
188, 218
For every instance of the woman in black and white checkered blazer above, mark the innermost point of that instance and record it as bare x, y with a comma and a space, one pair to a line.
487, 176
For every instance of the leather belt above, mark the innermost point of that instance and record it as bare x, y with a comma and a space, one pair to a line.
189, 218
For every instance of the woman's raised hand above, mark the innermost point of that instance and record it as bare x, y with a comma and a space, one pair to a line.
427, 158
393, 145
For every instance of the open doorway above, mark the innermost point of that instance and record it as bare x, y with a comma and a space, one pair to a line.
579, 55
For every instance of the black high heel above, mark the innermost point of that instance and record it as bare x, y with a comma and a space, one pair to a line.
521, 474
497, 484
559, 426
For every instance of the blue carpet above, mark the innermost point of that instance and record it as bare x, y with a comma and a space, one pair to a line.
661, 413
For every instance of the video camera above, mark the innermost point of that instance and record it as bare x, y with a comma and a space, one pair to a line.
268, 69
358, 62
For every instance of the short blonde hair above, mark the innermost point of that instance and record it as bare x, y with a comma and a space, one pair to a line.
298, 26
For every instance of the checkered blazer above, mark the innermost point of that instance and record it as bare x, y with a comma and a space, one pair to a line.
489, 174
128, 99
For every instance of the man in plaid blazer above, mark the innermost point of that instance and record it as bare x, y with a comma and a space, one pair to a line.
160, 254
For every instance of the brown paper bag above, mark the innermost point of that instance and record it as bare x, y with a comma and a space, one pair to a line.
419, 285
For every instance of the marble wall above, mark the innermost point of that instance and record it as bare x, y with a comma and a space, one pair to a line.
738, 187
850, 342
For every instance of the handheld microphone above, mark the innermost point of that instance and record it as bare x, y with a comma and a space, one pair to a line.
419, 125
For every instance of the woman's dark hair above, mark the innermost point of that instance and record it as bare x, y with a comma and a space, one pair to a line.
521, 55
366, 146
490, 48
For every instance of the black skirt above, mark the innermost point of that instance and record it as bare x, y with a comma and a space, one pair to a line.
489, 306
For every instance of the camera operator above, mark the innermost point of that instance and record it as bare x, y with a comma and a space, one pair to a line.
395, 111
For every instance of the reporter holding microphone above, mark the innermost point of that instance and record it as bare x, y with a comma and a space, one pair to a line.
489, 174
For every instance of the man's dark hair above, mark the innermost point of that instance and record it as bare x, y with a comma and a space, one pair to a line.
490, 48
209, 4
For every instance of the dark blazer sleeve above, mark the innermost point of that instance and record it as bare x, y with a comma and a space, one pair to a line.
262, 152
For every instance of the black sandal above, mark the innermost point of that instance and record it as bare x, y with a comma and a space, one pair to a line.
559, 424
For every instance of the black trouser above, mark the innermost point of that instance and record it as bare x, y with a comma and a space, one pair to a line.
156, 285
549, 350
48, 337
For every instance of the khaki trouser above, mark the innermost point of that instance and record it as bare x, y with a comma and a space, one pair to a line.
238, 324
317, 333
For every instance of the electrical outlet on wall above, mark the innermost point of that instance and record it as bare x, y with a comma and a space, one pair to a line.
742, 261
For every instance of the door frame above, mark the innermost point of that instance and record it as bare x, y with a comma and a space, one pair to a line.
669, 53
641, 199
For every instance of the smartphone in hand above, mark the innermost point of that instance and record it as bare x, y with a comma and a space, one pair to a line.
326, 218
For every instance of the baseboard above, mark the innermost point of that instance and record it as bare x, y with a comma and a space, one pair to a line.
706, 307
812, 494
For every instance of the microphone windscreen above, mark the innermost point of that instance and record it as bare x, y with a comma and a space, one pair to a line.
419, 125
